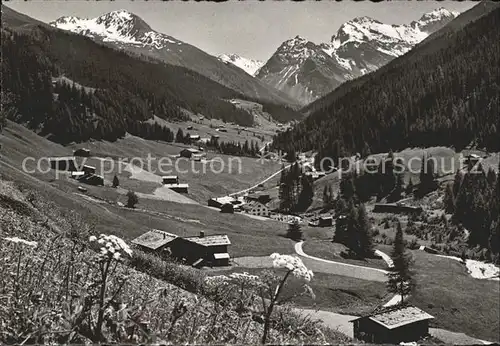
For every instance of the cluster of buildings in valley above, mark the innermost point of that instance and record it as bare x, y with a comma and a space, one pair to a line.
253, 204
87, 174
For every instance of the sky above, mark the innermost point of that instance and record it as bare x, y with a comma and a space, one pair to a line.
250, 28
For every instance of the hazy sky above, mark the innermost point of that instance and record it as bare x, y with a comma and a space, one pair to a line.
251, 28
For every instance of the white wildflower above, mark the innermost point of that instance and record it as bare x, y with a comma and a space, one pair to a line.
92, 238
294, 264
116, 255
22, 241
216, 281
113, 244
121, 244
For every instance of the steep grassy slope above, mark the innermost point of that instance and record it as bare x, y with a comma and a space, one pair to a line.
247, 237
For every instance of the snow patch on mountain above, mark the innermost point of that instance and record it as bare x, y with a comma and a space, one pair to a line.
250, 66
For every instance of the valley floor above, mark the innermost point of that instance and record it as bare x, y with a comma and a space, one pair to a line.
459, 302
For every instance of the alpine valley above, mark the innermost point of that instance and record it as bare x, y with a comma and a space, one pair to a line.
340, 192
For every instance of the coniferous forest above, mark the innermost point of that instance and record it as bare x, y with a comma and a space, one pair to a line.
112, 93
447, 95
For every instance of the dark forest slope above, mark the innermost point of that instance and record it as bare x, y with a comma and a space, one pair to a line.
189, 57
122, 91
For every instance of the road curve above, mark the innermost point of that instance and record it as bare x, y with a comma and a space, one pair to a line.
341, 322
339, 268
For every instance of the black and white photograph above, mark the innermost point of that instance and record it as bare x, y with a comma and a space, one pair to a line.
247, 172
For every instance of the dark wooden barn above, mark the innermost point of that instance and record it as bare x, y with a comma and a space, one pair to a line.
188, 152
93, 179
63, 163
325, 221
181, 188
213, 202
170, 179
81, 152
393, 325
227, 208
89, 169
202, 250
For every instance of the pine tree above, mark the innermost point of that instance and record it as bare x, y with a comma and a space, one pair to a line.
341, 235
326, 197
491, 176
398, 188
409, 188
116, 182
364, 233
306, 193
400, 277
457, 182
132, 199
284, 191
294, 231
449, 199
352, 237
347, 189
427, 176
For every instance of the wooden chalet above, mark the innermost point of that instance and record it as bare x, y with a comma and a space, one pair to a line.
170, 179
202, 250
325, 221
188, 152
154, 241
227, 208
181, 188
81, 152
66, 163
88, 170
93, 179
392, 325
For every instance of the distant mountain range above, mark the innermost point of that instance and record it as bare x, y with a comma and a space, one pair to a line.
300, 71
126, 31
306, 70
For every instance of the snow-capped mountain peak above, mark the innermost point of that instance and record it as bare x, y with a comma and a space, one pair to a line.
439, 14
250, 66
432, 21
120, 26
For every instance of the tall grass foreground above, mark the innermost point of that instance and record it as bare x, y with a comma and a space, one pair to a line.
70, 291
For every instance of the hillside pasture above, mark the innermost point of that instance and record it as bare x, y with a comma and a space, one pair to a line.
218, 176
458, 302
